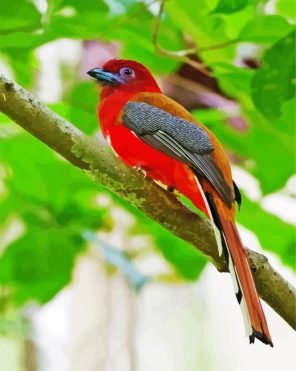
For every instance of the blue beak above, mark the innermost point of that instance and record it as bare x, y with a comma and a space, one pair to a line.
103, 76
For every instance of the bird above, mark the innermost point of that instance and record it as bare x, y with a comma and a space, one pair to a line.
152, 132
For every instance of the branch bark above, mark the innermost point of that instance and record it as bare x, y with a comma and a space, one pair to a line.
144, 194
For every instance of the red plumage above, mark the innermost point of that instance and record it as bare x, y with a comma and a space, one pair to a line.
125, 81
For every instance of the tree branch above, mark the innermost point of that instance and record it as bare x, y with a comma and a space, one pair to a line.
144, 194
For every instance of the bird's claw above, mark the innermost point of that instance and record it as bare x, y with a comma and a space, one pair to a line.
139, 168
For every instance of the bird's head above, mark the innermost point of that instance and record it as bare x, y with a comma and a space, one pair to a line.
124, 75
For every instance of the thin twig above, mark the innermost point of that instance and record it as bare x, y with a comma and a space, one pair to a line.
181, 55
184, 55
217, 46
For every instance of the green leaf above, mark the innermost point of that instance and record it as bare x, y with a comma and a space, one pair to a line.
209, 30
81, 112
43, 188
254, 145
70, 19
39, 264
18, 15
63, 19
264, 141
24, 65
230, 6
273, 84
286, 122
274, 234
36, 172
85, 5
21, 40
55, 202
265, 29
286, 8
233, 80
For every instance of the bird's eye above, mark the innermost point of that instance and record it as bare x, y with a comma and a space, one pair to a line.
127, 72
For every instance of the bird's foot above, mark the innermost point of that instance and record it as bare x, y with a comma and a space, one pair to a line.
139, 168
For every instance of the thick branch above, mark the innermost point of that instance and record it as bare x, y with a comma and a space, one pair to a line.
144, 194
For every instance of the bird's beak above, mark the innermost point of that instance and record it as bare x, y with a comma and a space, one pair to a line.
103, 76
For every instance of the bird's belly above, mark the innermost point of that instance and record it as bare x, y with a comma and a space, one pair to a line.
135, 152
158, 166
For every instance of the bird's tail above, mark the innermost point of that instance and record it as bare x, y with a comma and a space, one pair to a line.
230, 243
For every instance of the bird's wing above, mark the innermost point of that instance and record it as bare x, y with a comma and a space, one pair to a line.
178, 138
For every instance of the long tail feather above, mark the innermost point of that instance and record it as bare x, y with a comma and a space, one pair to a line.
248, 288
229, 242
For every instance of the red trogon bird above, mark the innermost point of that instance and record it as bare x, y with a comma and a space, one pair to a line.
150, 131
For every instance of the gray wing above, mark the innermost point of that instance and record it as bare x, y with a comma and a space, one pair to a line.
178, 138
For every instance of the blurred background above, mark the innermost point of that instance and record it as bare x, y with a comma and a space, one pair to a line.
90, 283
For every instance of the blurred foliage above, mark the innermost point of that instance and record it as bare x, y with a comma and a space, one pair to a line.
118, 259
273, 82
54, 206
51, 204
228, 6
273, 234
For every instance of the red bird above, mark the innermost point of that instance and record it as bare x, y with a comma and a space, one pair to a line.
152, 132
